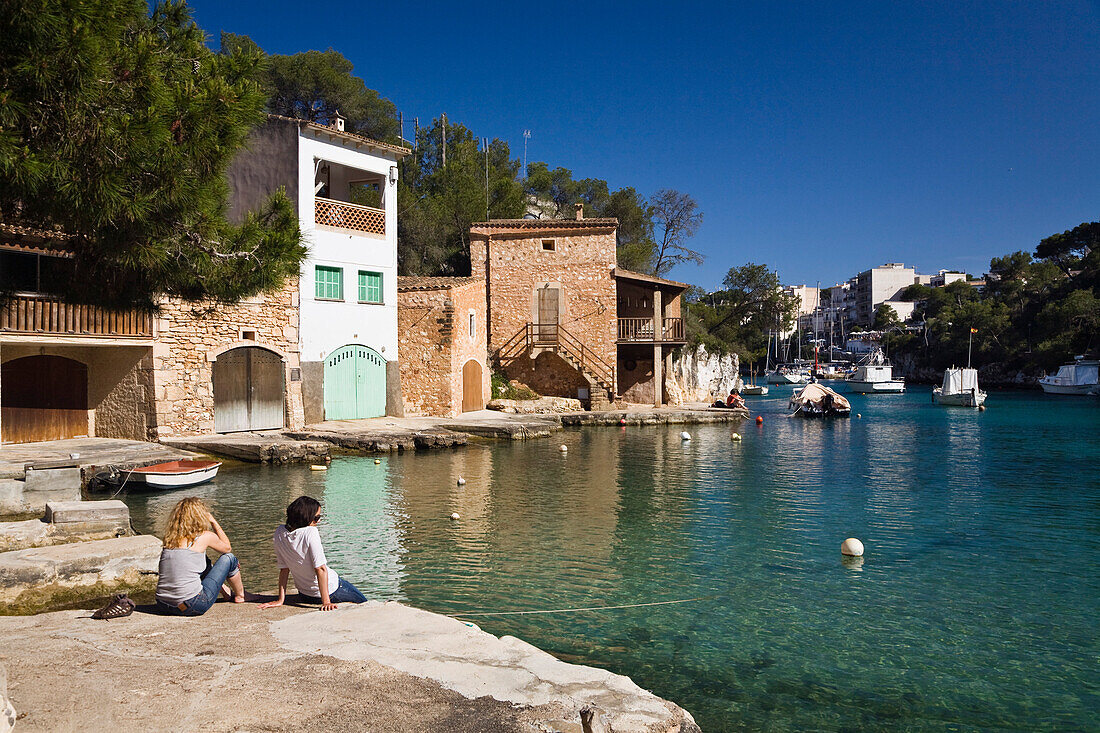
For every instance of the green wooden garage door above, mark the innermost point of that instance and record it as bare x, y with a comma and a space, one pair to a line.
355, 383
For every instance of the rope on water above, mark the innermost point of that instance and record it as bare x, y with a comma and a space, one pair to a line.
573, 610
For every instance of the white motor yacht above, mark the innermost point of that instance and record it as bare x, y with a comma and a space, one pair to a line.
1078, 378
875, 376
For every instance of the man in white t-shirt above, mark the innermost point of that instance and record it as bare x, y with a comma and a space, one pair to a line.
299, 553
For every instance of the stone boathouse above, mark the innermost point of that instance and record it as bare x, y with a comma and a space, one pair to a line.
565, 320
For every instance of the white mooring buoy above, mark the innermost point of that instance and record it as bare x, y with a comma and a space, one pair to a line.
685, 435
454, 515
377, 461
461, 481
563, 448
735, 437
851, 547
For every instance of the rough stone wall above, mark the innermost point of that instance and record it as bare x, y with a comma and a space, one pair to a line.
699, 376
548, 374
515, 266
189, 338
468, 299
425, 324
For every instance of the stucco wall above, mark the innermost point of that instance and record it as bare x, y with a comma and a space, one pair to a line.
269, 161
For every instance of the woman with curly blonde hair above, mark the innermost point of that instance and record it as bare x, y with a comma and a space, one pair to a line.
189, 584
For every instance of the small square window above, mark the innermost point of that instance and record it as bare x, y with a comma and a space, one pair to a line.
329, 283
548, 245
370, 287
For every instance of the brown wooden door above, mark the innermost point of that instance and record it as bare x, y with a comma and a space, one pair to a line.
472, 398
248, 390
548, 309
43, 398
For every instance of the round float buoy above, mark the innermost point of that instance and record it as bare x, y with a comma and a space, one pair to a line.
461, 481
736, 437
454, 515
981, 408
377, 461
316, 467
622, 421
685, 435
563, 448
851, 547
859, 414
759, 419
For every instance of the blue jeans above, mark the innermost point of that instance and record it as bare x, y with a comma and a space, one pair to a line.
212, 580
344, 593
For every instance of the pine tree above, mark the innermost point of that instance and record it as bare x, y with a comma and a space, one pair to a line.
117, 126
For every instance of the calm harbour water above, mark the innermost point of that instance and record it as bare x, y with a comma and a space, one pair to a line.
975, 606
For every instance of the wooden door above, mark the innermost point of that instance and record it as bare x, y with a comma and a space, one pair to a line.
355, 383
43, 398
472, 398
548, 309
249, 389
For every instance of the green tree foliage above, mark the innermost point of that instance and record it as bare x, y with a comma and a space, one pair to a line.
737, 318
437, 202
117, 126
554, 192
315, 85
885, 317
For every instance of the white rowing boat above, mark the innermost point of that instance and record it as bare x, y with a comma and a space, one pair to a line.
175, 474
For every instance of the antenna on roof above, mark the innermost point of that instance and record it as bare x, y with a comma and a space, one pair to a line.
526, 137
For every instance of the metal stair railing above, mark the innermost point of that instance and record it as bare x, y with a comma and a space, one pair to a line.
552, 335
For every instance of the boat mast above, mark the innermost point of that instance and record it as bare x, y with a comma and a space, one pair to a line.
969, 346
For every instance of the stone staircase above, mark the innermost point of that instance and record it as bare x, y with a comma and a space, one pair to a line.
536, 338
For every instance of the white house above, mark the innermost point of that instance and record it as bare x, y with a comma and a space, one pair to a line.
345, 189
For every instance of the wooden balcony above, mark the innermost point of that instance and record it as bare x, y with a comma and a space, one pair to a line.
640, 330
41, 315
345, 215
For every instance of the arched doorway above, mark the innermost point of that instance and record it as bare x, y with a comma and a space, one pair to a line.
43, 398
249, 387
472, 396
355, 383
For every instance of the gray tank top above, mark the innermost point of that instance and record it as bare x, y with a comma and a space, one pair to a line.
180, 572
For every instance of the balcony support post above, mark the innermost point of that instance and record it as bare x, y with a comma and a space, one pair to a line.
658, 361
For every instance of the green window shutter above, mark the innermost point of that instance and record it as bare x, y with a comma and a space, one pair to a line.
370, 287
329, 283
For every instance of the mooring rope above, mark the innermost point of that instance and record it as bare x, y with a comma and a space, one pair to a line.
573, 610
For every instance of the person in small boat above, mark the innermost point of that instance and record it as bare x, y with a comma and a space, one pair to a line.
189, 584
735, 399
299, 553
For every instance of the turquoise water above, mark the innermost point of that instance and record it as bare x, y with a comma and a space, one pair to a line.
975, 606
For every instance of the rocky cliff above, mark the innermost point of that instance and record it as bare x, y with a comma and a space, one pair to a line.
699, 376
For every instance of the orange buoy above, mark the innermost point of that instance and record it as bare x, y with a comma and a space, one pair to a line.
759, 419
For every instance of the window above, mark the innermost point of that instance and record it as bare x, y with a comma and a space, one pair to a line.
330, 283
548, 245
473, 327
370, 287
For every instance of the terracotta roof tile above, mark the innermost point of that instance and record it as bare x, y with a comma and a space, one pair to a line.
346, 134
408, 282
22, 238
545, 224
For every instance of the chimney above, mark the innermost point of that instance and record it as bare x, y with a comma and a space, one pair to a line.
338, 121
580, 210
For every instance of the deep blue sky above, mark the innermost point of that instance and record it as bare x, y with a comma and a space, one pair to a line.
821, 138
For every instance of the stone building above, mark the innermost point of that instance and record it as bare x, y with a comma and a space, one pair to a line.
563, 319
69, 370
441, 322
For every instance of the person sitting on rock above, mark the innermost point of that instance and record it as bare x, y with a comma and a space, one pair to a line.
299, 552
189, 584
735, 399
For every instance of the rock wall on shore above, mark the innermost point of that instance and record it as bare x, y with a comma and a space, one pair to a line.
700, 376
995, 375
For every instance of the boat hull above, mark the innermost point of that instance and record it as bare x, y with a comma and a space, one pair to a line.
1068, 389
958, 399
757, 389
893, 386
175, 474
774, 378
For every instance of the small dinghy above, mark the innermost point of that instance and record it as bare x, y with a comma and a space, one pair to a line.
174, 474
817, 400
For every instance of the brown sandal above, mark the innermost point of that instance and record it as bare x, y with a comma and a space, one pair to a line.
120, 607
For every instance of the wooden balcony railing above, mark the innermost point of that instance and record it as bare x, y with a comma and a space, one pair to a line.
641, 329
42, 314
349, 216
